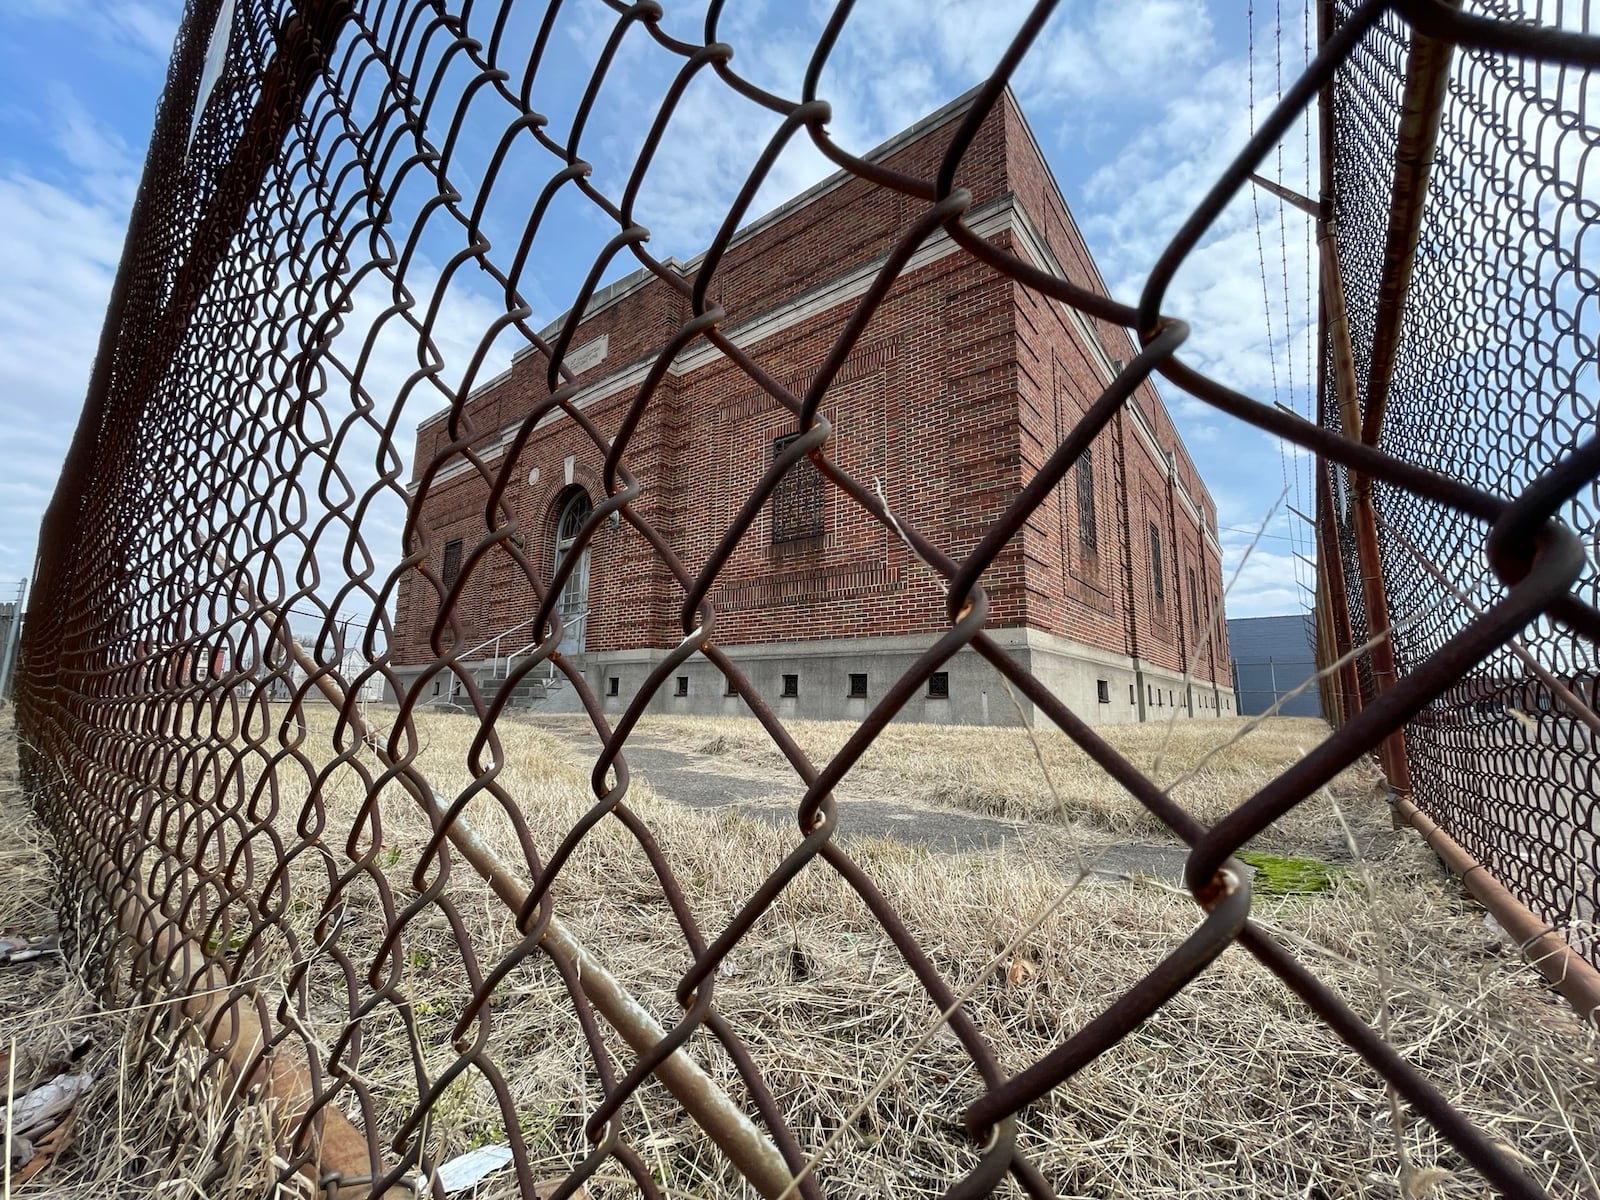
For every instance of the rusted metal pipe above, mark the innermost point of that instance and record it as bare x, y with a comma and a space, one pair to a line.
1288, 195
1421, 107
1541, 945
726, 1123
1330, 555
1343, 688
226, 1017
1374, 594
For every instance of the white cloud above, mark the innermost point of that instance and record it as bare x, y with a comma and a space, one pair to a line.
142, 28
1265, 585
61, 243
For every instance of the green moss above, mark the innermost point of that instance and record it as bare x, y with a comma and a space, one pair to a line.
1282, 875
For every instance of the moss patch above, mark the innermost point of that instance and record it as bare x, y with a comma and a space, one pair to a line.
1285, 875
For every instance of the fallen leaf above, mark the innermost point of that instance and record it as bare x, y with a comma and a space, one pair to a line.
1020, 972
47, 1149
1420, 1183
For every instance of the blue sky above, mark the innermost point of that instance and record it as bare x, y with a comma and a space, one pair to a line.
1137, 103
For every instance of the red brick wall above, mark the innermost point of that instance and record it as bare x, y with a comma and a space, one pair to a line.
958, 391
1071, 593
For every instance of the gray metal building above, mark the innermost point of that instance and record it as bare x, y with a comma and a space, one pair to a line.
1272, 656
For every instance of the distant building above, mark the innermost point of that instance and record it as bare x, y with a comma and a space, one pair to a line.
961, 387
1273, 656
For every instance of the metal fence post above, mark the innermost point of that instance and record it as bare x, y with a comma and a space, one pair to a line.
8, 657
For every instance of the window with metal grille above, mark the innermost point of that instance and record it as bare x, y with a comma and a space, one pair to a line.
939, 685
1102, 689
681, 687
791, 686
1088, 528
1194, 603
797, 500
1158, 582
451, 571
858, 686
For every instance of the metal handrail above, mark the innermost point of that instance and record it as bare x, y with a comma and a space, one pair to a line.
495, 640
578, 622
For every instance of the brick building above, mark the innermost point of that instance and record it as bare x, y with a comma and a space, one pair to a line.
960, 388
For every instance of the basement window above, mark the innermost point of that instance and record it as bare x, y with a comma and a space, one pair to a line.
611, 686
858, 687
681, 686
728, 688
1132, 699
791, 686
939, 685
1102, 689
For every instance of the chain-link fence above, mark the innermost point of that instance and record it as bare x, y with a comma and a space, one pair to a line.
250, 835
1458, 180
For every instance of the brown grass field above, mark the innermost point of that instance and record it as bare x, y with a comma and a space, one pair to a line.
1233, 1089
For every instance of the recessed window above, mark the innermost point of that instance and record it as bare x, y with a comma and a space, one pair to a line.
797, 500
1088, 530
791, 686
1194, 604
611, 686
1102, 689
435, 687
681, 686
451, 570
858, 687
727, 687
1157, 579
1132, 699
939, 685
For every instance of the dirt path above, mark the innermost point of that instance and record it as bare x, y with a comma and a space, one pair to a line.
764, 794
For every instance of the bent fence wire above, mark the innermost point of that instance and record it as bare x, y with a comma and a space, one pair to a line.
236, 494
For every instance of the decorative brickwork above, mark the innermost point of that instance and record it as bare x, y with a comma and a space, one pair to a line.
961, 387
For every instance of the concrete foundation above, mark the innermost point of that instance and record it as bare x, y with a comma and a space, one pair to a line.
843, 679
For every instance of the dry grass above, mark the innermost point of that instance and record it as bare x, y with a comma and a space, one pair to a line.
995, 771
151, 1125
1232, 1089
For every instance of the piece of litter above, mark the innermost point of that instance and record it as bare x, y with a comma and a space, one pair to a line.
16, 949
39, 1110
467, 1169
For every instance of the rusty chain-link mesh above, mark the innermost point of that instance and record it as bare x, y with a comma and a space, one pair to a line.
1487, 373
221, 512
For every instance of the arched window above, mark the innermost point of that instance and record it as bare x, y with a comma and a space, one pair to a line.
573, 606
